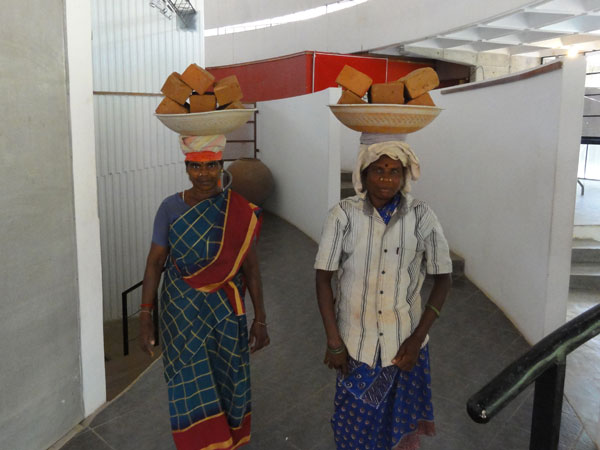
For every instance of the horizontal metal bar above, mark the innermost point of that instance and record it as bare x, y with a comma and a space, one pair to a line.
132, 288
515, 378
590, 140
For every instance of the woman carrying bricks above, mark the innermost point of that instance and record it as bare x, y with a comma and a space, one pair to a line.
380, 244
206, 236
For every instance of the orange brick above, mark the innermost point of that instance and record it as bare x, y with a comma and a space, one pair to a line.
176, 89
354, 81
420, 81
387, 93
168, 106
203, 103
349, 97
197, 78
424, 100
235, 105
228, 90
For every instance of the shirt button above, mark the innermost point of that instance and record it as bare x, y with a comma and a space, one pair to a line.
380, 334
379, 312
383, 272
381, 292
385, 250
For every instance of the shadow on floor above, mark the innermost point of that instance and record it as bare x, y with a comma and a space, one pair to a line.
293, 391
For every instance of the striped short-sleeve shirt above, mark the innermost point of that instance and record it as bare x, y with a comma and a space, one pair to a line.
380, 270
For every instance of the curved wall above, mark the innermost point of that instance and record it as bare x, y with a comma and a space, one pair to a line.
364, 27
502, 181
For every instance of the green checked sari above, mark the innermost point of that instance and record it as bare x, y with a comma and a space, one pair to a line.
203, 324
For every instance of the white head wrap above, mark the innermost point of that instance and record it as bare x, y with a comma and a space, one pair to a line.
374, 146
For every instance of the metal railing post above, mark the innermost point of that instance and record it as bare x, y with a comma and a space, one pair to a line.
125, 325
547, 408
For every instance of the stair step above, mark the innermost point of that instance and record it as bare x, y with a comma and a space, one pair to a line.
346, 176
585, 251
585, 269
585, 276
347, 192
458, 265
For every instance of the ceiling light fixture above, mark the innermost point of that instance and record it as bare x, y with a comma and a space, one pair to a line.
162, 7
183, 8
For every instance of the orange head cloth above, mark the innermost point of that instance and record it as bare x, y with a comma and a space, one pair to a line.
203, 148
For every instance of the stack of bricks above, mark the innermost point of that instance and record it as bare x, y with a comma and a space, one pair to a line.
412, 89
195, 91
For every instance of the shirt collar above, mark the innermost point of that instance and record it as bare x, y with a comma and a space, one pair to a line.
405, 205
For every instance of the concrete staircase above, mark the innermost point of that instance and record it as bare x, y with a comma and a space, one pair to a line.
585, 265
347, 190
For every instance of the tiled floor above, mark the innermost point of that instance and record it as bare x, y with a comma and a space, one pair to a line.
292, 389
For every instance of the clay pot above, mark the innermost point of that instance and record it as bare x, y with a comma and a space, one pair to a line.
252, 179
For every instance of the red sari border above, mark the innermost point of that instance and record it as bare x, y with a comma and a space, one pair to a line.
239, 231
213, 433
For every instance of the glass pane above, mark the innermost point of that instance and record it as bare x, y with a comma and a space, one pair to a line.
592, 80
593, 62
581, 166
592, 165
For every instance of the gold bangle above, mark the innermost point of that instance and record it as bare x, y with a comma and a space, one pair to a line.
264, 324
146, 311
434, 309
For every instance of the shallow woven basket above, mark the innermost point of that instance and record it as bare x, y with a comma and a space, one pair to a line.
206, 123
379, 118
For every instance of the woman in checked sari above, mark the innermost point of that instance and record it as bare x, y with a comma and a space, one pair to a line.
206, 237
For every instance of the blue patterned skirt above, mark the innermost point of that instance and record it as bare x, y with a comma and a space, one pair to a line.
383, 407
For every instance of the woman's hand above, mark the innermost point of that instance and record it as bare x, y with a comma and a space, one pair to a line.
408, 353
259, 337
337, 361
146, 339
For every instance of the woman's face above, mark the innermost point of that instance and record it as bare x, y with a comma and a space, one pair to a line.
384, 178
205, 176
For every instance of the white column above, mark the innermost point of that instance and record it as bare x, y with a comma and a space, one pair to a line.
87, 225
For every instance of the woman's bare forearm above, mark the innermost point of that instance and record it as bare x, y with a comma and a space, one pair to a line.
437, 297
326, 307
251, 271
154, 265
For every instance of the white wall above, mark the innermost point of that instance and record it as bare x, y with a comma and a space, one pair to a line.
43, 304
139, 161
87, 224
371, 25
299, 140
499, 168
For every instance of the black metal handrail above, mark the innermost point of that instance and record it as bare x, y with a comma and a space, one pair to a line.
545, 365
125, 317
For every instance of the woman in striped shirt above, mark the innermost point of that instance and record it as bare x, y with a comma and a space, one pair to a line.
381, 243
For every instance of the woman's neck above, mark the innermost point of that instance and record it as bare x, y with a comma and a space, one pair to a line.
193, 196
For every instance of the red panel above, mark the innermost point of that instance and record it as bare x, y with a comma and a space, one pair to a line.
292, 75
271, 79
397, 69
329, 65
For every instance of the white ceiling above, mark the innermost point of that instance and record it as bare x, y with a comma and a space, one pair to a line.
547, 28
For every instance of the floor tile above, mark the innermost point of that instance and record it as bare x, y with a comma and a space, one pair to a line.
87, 440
